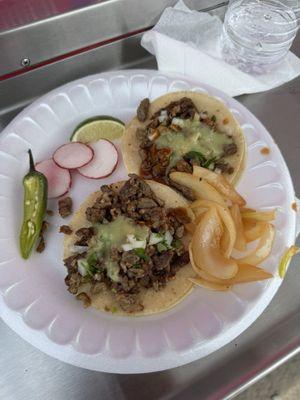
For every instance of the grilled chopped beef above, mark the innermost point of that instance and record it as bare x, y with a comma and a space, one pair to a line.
162, 261
155, 162
183, 166
224, 167
65, 229
151, 267
180, 261
143, 109
129, 303
65, 207
84, 234
183, 108
41, 245
85, 299
230, 149
71, 262
185, 191
180, 214
45, 226
97, 212
146, 202
73, 281
179, 232
50, 213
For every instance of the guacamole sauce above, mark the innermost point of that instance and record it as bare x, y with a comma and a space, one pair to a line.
113, 234
194, 136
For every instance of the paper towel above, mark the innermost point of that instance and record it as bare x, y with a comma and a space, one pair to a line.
187, 42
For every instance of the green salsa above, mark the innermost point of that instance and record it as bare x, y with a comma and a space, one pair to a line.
113, 234
194, 136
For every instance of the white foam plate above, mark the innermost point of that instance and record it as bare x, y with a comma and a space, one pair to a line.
34, 301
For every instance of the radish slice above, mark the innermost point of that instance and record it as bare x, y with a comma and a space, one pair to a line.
59, 179
104, 162
73, 155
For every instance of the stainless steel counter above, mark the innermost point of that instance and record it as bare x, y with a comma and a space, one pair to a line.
28, 374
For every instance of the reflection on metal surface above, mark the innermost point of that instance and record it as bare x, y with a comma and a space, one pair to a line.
16, 13
66, 30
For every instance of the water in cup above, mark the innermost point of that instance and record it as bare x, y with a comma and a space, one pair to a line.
257, 34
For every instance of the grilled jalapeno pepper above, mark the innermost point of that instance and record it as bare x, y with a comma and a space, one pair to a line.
35, 203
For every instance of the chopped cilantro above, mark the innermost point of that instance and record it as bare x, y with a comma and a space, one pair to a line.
213, 118
92, 270
162, 246
195, 156
114, 290
114, 310
136, 266
142, 254
176, 243
92, 259
199, 158
209, 162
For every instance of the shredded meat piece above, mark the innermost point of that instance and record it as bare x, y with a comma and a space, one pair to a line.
155, 162
41, 245
183, 108
85, 299
179, 232
180, 214
224, 167
65, 207
143, 109
183, 166
71, 262
45, 226
129, 303
163, 260
230, 149
65, 229
180, 261
96, 213
128, 259
50, 213
73, 281
185, 191
146, 202
84, 234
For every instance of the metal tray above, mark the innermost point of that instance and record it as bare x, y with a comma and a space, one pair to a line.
26, 373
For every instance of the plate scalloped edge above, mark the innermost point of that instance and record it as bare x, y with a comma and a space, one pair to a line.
204, 321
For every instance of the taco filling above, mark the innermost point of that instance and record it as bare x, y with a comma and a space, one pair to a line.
180, 136
130, 242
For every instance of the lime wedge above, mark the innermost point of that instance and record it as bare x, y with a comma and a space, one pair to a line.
100, 127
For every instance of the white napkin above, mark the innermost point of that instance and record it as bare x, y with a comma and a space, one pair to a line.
187, 42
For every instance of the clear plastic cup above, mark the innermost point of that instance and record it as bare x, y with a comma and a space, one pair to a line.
257, 34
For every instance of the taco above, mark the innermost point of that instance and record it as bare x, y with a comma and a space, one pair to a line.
127, 252
179, 130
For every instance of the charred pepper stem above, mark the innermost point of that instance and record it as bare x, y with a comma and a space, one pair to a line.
35, 204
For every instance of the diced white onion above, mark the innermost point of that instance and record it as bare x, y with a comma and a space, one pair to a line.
178, 121
133, 243
127, 247
168, 238
79, 249
82, 267
155, 238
